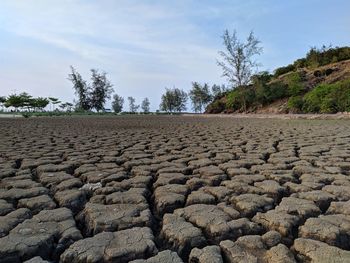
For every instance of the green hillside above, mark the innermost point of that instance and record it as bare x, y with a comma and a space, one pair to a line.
318, 83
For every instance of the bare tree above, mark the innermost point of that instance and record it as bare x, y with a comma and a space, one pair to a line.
238, 58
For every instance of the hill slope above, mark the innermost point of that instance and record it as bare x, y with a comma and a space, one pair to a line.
302, 89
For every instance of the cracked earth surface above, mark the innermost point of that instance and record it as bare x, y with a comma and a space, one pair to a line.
174, 189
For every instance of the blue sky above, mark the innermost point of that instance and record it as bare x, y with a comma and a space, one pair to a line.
145, 46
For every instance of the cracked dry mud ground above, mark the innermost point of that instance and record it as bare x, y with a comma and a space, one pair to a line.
174, 189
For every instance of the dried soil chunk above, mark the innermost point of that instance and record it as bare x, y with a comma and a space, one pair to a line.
74, 199
253, 249
246, 249
169, 197
99, 217
216, 223
200, 197
321, 198
339, 208
180, 235
121, 246
132, 196
47, 234
280, 254
342, 193
36, 260
318, 252
209, 254
5, 207
170, 178
162, 257
300, 207
331, 229
12, 219
249, 204
14, 194
270, 187
274, 220
38, 203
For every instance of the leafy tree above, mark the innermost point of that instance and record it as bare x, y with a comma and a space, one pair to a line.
101, 89
67, 106
173, 100
145, 105
117, 103
54, 101
218, 90
18, 101
39, 103
237, 61
2, 101
81, 89
200, 96
132, 106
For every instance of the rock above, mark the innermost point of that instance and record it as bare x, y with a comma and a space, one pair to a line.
209, 254
180, 235
318, 252
99, 217
47, 234
121, 246
161, 257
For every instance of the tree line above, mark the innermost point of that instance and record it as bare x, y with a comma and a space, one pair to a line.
24, 101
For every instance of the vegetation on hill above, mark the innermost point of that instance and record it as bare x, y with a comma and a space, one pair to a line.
318, 83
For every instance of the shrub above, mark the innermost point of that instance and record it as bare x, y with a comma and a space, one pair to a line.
313, 99
295, 85
283, 70
328, 98
241, 98
295, 103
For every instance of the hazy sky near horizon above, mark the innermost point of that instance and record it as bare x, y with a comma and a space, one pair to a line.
145, 46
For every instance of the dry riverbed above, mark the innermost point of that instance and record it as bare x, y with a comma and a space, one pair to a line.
174, 189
